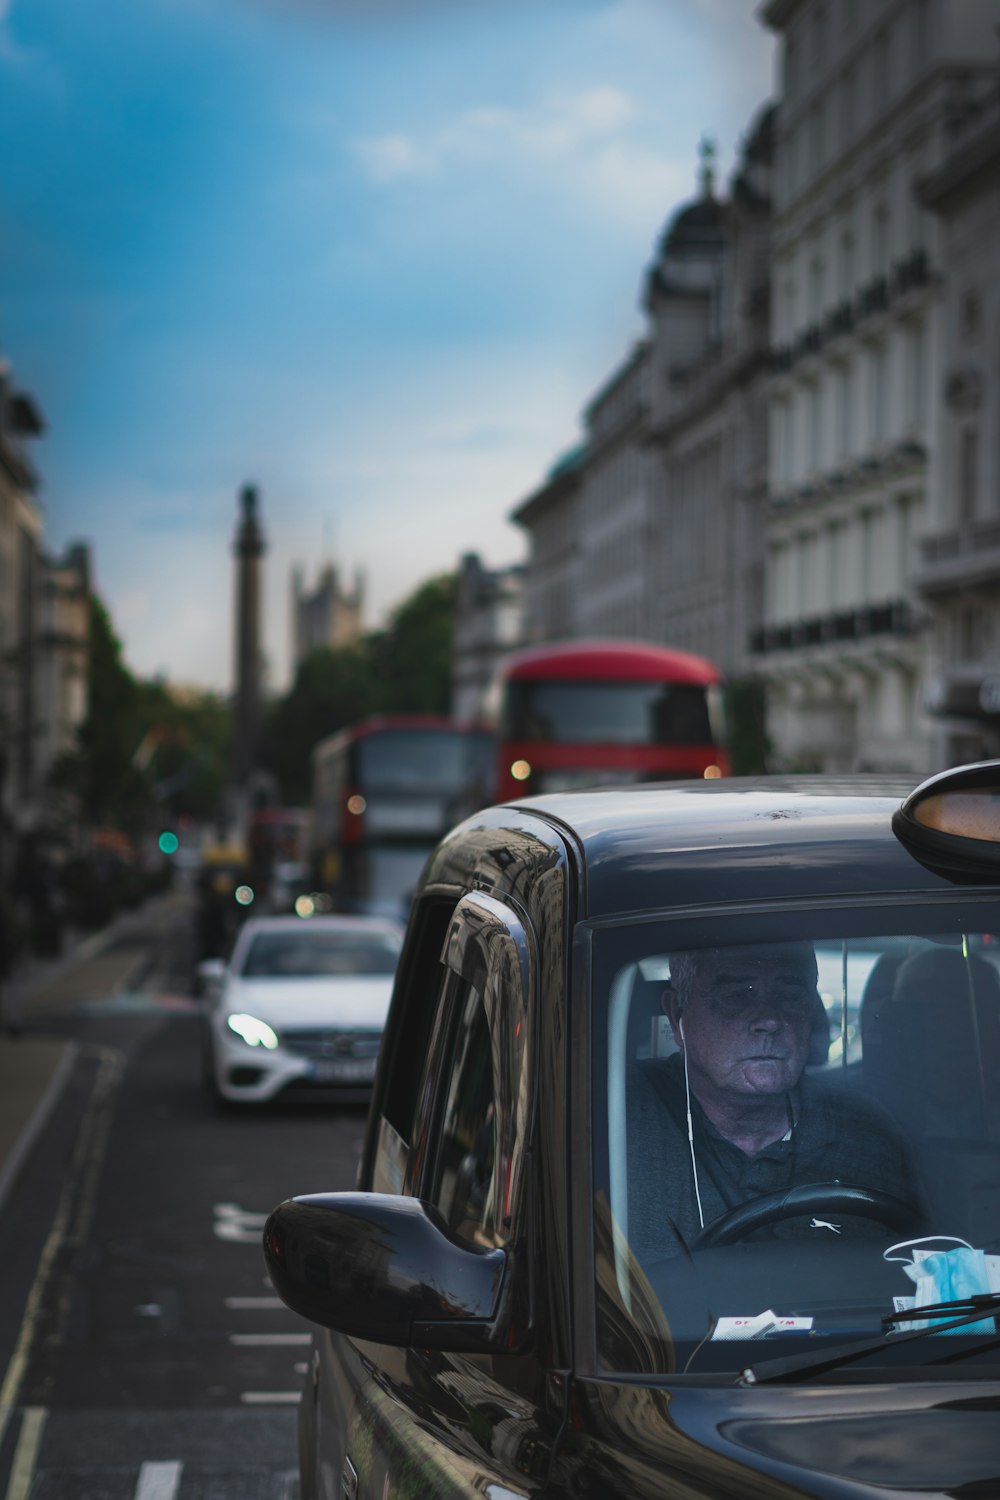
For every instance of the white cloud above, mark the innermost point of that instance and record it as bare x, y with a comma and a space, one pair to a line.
386, 158
560, 127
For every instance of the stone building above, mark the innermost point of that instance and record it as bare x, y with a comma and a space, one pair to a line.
489, 623
588, 522
328, 615
707, 296
857, 275
63, 652
20, 569
649, 529
958, 562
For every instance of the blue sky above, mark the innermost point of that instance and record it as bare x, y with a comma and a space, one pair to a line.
371, 255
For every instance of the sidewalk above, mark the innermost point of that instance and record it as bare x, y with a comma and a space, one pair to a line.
34, 1068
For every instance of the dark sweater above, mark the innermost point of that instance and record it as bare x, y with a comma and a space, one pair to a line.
838, 1137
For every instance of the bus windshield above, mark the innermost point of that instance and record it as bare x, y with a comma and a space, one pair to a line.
425, 760
611, 713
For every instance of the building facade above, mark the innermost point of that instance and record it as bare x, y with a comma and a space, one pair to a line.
489, 623
20, 570
588, 524
958, 562
63, 652
858, 273
650, 528
707, 296
327, 616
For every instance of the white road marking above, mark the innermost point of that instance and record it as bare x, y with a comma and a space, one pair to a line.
29, 1440
255, 1302
71, 1215
238, 1225
270, 1398
158, 1481
288, 1340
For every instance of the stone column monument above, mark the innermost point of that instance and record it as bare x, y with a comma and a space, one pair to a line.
248, 549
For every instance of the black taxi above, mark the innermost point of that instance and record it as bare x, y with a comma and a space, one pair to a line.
682, 1172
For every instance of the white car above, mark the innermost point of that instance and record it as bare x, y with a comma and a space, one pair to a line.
300, 1008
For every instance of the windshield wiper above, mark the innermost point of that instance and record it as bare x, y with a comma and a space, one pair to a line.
986, 1302
801, 1366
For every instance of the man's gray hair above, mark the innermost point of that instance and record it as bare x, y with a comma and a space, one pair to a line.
685, 967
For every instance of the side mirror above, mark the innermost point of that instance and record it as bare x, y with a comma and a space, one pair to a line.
385, 1268
211, 974
951, 823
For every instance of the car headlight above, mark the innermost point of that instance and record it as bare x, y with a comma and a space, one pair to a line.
254, 1032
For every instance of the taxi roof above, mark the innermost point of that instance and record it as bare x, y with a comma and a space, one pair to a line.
734, 840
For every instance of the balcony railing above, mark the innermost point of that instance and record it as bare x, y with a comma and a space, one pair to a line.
873, 298
970, 538
890, 617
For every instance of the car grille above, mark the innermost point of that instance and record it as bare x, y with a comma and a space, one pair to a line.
332, 1044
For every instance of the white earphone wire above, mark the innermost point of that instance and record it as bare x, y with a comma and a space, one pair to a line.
690, 1125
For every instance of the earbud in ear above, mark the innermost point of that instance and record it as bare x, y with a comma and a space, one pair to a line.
680, 1028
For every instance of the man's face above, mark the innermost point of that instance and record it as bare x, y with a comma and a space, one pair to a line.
747, 1019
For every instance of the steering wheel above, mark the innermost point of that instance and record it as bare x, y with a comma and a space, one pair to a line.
816, 1198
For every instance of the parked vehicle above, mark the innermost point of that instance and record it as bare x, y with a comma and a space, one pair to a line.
300, 1008
520, 1300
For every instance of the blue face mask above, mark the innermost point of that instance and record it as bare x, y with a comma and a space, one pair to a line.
945, 1276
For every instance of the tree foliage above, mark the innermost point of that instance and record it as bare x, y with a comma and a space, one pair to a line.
142, 749
331, 688
146, 751
411, 659
405, 668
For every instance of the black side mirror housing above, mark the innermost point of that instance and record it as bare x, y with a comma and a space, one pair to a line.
385, 1268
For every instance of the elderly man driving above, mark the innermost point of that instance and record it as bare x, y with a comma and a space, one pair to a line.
737, 1118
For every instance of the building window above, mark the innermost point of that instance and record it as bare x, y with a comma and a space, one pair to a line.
843, 414
968, 464
969, 315
846, 266
916, 377
835, 555
880, 81
846, 124
971, 635
815, 289
877, 394
814, 419
880, 240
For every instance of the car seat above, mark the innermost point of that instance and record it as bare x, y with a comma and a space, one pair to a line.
932, 1058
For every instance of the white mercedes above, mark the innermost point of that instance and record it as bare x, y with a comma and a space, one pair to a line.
300, 1008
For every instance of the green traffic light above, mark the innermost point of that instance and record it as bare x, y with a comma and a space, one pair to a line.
168, 843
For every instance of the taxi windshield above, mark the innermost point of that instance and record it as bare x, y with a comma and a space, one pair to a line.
797, 1133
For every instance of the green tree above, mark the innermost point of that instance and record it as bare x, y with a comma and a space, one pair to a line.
405, 668
111, 788
185, 748
746, 720
411, 658
332, 688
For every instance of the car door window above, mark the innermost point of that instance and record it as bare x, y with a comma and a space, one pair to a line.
464, 1179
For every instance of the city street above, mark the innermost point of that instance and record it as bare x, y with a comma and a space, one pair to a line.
142, 1349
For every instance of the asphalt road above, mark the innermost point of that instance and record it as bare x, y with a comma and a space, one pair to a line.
145, 1354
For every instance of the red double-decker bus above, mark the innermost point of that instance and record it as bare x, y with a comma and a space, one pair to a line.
588, 713
385, 791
